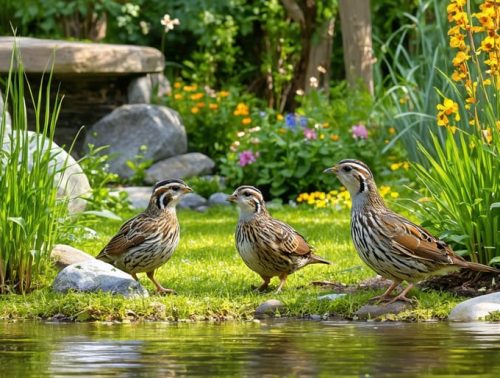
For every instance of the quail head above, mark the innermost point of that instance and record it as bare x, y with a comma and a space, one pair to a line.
267, 246
148, 240
388, 243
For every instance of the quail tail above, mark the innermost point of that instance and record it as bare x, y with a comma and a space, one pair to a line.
481, 268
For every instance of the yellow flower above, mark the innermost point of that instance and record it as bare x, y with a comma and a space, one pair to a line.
334, 137
497, 123
200, 105
487, 44
194, 110
178, 96
394, 194
190, 88
177, 85
241, 110
460, 58
246, 121
392, 130
279, 117
196, 96
487, 135
486, 82
213, 106
223, 94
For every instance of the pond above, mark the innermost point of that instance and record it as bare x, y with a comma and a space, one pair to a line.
274, 348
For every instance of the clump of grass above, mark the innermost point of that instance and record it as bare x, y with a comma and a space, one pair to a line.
29, 209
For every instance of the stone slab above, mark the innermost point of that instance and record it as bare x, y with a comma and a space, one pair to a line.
81, 57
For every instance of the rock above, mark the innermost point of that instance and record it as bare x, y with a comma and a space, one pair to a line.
331, 297
182, 166
130, 127
201, 209
141, 89
219, 198
70, 57
138, 196
475, 308
72, 182
63, 255
268, 308
192, 201
95, 275
374, 311
8, 120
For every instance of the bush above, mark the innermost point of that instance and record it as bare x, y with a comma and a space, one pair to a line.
464, 180
286, 155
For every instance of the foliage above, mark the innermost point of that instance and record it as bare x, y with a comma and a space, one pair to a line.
407, 75
29, 210
210, 117
139, 165
285, 156
206, 185
96, 167
464, 179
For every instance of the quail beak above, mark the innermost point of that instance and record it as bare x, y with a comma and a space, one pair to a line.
333, 170
231, 198
187, 189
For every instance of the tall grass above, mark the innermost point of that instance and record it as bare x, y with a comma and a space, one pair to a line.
29, 208
407, 61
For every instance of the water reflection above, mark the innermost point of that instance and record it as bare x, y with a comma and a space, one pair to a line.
298, 349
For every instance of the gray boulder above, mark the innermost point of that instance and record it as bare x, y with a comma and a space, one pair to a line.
370, 311
95, 275
141, 89
475, 308
129, 127
219, 198
72, 181
182, 166
63, 255
192, 201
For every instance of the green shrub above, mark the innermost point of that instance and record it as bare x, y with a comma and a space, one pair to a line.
287, 155
29, 209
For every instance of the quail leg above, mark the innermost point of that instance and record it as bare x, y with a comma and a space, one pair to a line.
160, 289
264, 285
283, 277
385, 296
402, 296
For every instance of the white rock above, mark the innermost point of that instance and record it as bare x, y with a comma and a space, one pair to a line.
95, 275
331, 297
268, 308
72, 181
475, 308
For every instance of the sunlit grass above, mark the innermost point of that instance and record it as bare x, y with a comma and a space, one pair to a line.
213, 283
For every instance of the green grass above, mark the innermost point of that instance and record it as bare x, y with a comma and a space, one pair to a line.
214, 284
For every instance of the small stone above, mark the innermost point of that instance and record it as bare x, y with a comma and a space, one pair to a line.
374, 311
139, 90
192, 201
475, 308
315, 317
202, 209
63, 255
219, 198
138, 196
268, 308
331, 297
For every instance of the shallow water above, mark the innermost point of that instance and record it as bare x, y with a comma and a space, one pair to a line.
286, 348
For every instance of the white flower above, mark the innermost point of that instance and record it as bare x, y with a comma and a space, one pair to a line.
313, 82
144, 27
299, 92
169, 23
321, 69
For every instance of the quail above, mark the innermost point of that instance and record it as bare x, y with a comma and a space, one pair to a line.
148, 240
268, 246
390, 244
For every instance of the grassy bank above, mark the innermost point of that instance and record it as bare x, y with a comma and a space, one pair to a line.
214, 284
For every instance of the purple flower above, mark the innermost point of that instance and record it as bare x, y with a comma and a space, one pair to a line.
290, 121
359, 131
310, 134
246, 157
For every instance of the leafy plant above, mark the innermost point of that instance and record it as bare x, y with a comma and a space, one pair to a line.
30, 209
139, 166
463, 181
205, 186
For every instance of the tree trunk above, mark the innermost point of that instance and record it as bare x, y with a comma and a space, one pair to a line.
355, 19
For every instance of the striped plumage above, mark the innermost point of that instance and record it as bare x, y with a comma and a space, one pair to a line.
148, 240
388, 243
268, 246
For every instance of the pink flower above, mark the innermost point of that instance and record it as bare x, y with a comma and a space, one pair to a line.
310, 134
246, 157
359, 131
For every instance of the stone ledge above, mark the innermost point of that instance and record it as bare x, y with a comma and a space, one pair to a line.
81, 57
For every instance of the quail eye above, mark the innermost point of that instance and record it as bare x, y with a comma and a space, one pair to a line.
247, 194
175, 188
347, 168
